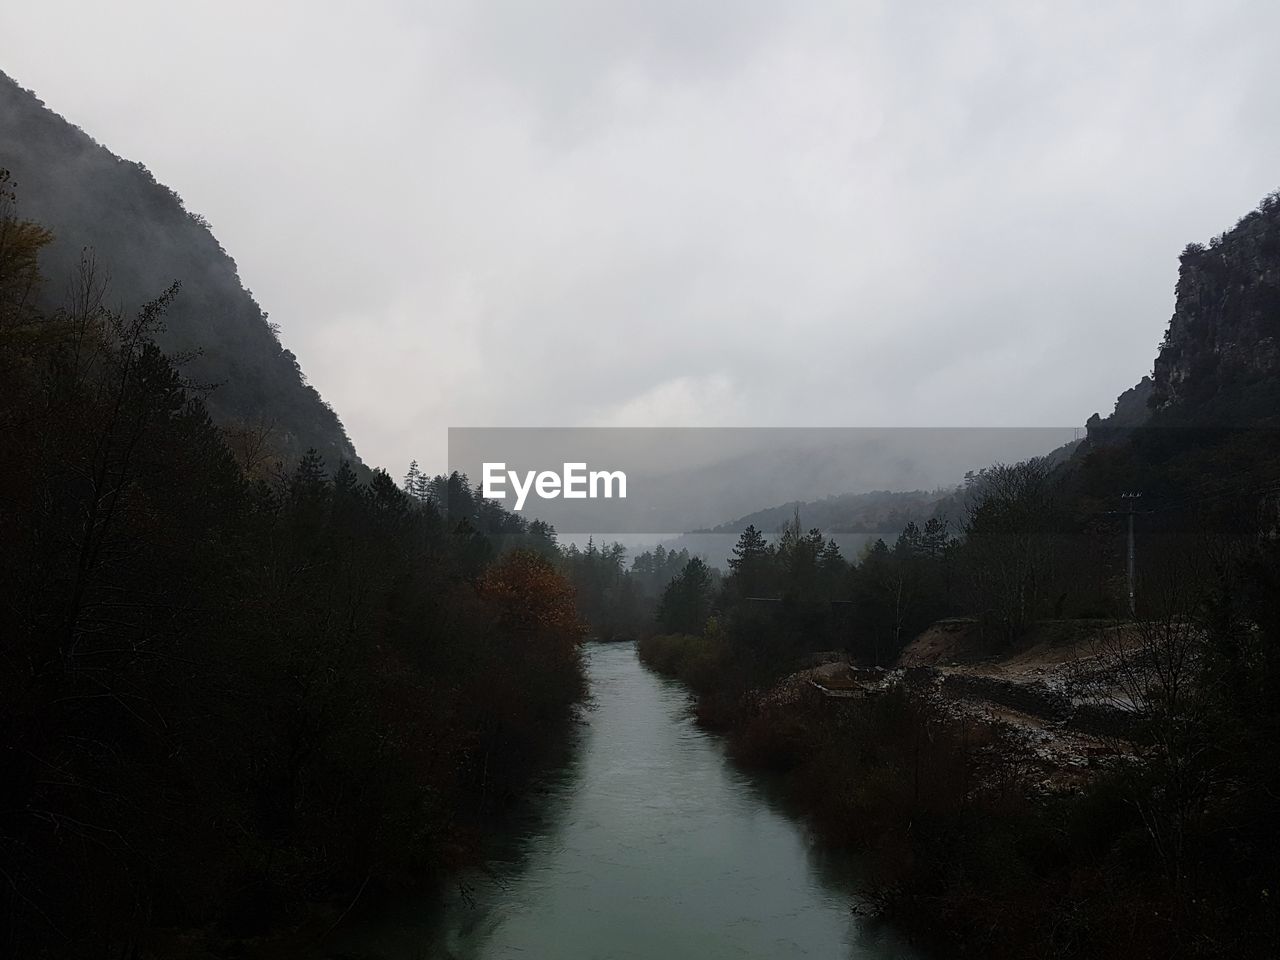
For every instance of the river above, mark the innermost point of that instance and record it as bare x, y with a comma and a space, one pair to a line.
650, 845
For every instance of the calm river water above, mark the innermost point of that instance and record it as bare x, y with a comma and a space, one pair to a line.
649, 845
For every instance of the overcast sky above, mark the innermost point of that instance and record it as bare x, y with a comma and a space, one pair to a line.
684, 212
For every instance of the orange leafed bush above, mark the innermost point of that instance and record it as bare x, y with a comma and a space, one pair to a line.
528, 595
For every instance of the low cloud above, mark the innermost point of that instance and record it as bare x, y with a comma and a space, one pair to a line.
582, 213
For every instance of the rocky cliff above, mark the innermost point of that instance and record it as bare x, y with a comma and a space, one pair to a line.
1219, 363
1221, 353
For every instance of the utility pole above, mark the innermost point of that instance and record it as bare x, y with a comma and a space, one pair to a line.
1133, 498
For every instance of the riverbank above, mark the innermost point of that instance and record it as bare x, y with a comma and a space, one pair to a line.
964, 847
403, 913
338, 926
647, 844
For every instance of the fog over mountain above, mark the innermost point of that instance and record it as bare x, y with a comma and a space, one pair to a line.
138, 238
687, 213
682, 480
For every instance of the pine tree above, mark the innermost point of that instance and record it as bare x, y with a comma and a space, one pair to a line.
345, 481
686, 602
309, 481
749, 564
750, 548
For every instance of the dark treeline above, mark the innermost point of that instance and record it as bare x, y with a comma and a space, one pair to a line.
231, 691
1171, 850
618, 597
619, 600
1015, 545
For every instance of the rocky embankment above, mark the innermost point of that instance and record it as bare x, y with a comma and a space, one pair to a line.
1053, 697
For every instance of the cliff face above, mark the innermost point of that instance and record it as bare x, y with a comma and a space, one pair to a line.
144, 239
1133, 409
1219, 363
1221, 353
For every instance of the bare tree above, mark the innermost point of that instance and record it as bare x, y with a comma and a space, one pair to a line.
1009, 535
252, 443
1153, 669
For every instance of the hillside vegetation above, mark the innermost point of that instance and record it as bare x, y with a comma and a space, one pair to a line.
232, 696
144, 239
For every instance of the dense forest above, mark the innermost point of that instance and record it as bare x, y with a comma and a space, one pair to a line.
1169, 846
232, 692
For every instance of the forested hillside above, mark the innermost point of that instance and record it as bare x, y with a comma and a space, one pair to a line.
230, 697
144, 239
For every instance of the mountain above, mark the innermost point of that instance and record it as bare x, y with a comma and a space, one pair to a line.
878, 512
1219, 363
144, 239
1221, 353
1217, 367
1132, 408
853, 520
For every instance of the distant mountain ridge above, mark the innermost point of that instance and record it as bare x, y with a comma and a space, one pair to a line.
144, 239
852, 520
875, 511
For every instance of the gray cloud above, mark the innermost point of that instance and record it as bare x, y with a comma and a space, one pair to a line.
688, 213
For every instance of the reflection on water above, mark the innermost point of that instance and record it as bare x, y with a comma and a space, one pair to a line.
648, 845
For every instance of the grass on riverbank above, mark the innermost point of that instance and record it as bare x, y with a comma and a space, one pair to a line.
957, 847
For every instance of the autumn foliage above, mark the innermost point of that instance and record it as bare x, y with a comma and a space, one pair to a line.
528, 597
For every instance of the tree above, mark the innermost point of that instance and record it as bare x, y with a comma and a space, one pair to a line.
411, 478
751, 563
686, 602
20, 244
303, 685
530, 600
1009, 544
833, 570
